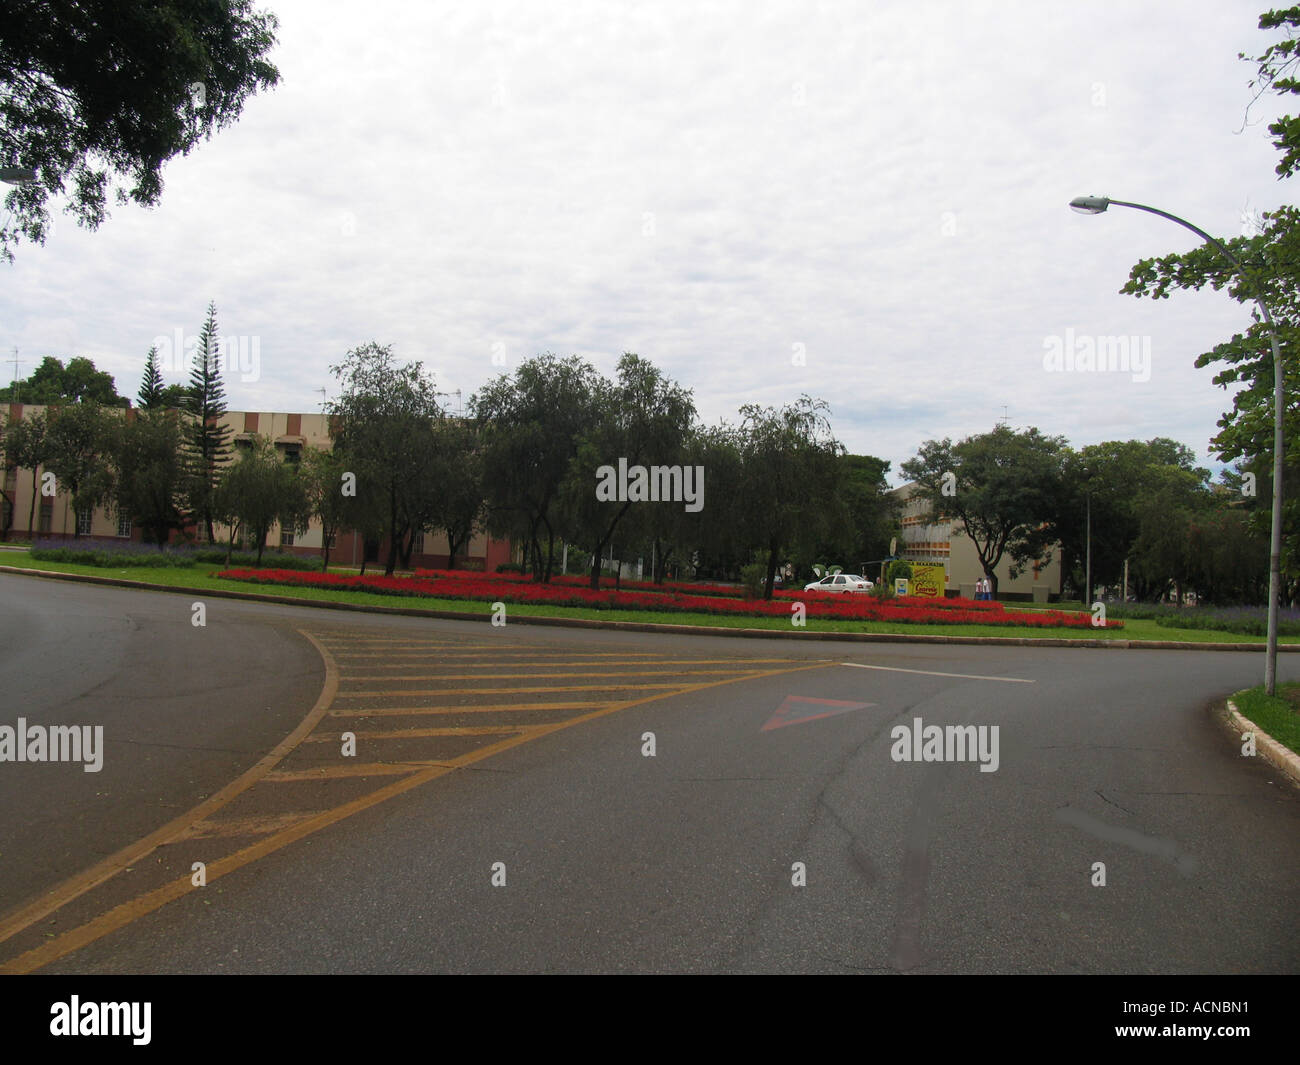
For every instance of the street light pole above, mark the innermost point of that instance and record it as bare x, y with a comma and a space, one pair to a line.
1096, 205
1087, 580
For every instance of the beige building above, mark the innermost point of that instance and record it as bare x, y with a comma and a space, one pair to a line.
55, 517
931, 538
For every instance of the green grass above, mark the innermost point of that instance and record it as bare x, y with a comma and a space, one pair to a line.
1278, 715
200, 578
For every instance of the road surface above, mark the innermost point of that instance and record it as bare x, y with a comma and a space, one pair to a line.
554, 800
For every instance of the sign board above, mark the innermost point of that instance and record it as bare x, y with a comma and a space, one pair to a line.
900, 586
928, 580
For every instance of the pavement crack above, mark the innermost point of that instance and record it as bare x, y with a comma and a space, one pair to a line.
1115, 804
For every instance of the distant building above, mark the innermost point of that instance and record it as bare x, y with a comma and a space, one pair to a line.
932, 538
291, 434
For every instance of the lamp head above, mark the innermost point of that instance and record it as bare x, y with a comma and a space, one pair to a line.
1089, 204
17, 175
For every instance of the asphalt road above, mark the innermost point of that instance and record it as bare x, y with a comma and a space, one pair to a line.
518, 754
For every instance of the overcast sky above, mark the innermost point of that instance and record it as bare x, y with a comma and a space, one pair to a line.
861, 201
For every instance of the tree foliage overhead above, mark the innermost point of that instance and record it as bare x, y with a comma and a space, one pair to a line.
97, 95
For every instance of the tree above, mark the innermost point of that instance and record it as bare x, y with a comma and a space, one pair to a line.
174, 397
531, 425
1114, 480
325, 481
1002, 487
26, 448
260, 490
460, 509
150, 467
52, 384
789, 461
640, 420
382, 426
79, 440
99, 94
208, 441
151, 385
868, 515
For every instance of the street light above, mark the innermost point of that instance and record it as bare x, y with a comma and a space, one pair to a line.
1098, 204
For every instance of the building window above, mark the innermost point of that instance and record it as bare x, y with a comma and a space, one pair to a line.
47, 516
85, 518
286, 537
293, 455
124, 527
417, 545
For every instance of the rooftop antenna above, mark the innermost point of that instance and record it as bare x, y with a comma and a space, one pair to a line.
16, 360
1003, 419
322, 398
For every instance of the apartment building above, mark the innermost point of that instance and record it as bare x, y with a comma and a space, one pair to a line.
291, 434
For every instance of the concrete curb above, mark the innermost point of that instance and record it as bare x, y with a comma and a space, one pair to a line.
646, 626
1278, 756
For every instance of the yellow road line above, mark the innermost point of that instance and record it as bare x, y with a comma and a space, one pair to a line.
78, 885
254, 825
339, 772
455, 708
427, 675
130, 911
516, 691
493, 656
409, 733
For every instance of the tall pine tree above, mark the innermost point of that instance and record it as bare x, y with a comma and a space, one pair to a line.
208, 441
151, 386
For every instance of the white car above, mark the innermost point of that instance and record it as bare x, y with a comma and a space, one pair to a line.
840, 582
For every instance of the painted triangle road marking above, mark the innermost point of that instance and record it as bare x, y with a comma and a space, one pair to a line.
800, 708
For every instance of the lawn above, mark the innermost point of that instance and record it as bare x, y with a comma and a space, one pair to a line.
1278, 715
202, 578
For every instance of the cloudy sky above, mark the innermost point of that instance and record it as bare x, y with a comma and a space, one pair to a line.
862, 201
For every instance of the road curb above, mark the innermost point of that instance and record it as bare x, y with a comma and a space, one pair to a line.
646, 626
1278, 756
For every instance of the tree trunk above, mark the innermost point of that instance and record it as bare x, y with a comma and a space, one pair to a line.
773, 547
550, 551
394, 534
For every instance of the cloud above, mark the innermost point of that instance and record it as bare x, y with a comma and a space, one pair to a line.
709, 186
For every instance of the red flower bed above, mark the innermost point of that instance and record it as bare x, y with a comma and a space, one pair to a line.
824, 605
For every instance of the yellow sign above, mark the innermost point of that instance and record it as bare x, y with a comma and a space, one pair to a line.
928, 580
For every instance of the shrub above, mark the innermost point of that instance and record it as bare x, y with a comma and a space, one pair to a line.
751, 578
510, 567
270, 559
898, 568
